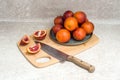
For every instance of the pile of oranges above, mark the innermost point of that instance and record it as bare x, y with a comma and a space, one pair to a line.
72, 25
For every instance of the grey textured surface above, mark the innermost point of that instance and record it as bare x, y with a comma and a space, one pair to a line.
104, 56
19, 17
45, 9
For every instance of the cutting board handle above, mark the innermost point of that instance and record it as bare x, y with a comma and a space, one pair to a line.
81, 63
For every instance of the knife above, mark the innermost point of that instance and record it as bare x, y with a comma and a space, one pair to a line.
65, 57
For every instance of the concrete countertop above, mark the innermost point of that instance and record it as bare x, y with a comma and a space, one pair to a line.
105, 56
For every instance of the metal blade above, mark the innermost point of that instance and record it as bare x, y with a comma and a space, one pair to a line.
54, 52
63, 57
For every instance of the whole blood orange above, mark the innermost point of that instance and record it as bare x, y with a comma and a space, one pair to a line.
79, 34
63, 35
56, 28
88, 27
58, 20
71, 23
80, 16
67, 14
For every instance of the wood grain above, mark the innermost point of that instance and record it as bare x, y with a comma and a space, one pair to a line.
71, 50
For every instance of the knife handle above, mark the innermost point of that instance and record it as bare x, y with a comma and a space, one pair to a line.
81, 63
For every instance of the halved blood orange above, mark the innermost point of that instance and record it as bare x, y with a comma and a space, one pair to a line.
25, 40
34, 48
40, 34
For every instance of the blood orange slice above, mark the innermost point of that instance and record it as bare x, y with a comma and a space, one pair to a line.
25, 40
34, 48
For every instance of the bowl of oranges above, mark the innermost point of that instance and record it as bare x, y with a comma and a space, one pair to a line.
71, 28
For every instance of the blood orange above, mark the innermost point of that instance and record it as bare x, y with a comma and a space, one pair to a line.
80, 16
34, 49
79, 34
40, 34
58, 20
71, 23
63, 35
25, 40
56, 28
88, 27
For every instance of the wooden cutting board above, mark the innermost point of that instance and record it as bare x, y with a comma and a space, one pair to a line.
71, 50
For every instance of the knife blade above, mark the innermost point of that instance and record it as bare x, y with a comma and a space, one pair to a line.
65, 57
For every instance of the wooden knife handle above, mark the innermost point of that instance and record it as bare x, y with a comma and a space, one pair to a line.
81, 63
